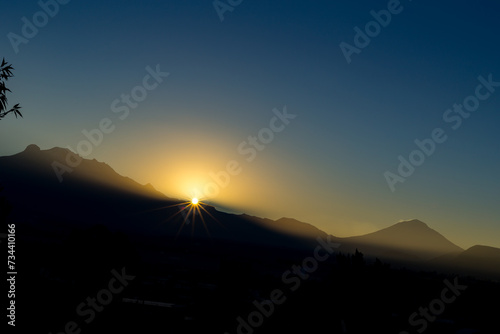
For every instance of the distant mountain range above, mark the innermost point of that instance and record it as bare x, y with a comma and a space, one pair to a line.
93, 193
408, 239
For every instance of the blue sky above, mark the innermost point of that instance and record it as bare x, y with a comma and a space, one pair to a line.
353, 119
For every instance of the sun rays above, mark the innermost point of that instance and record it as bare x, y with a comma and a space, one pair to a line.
190, 211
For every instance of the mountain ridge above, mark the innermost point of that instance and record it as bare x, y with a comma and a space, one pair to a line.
91, 170
120, 202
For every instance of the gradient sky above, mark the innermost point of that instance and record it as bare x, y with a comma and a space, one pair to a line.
353, 119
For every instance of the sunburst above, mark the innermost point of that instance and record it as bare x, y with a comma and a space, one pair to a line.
192, 209
189, 211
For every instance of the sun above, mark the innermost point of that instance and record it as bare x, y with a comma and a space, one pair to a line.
191, 211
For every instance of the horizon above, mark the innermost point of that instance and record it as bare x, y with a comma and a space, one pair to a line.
228, 209
276, 109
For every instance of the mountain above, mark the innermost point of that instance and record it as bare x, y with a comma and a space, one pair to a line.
482, 260
294, 227
479, 260
415, 245
58, 164
92, 193
406, 240
95, 227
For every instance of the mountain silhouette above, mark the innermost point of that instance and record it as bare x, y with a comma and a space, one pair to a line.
478, 260
408, 240
93, 193
484, 260
42, 164
294, 227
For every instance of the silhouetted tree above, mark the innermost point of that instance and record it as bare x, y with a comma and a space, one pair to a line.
380, 266
358, 260
343, 261
5, 74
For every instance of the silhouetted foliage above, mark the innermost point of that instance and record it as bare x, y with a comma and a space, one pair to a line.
358, 259
381, 266
6, 73
343, 261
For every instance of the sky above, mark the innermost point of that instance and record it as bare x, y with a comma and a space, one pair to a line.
277, 108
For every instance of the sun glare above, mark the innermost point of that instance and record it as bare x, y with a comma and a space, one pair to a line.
194, 201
